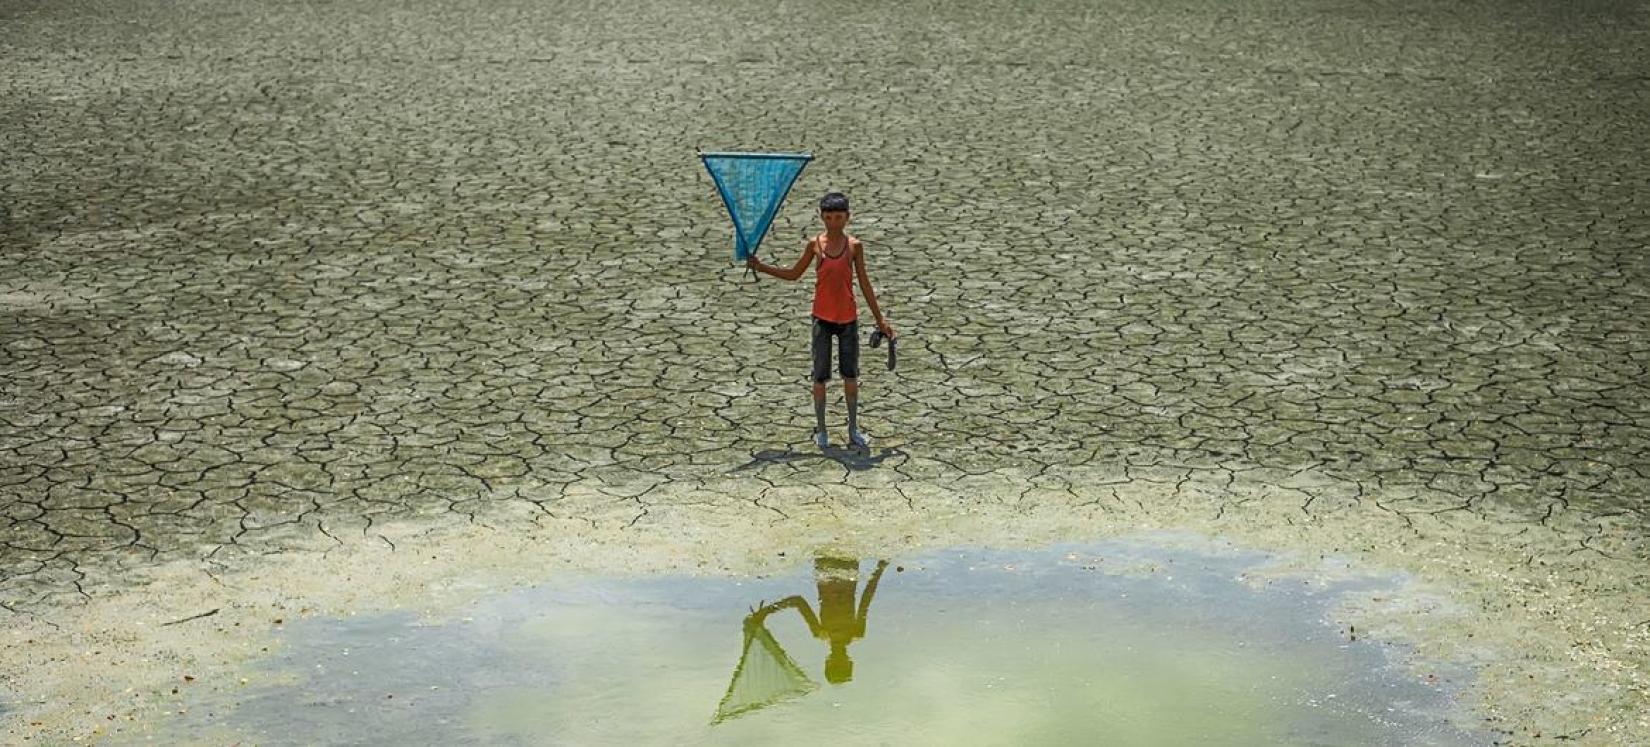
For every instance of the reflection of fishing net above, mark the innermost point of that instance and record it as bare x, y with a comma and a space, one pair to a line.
765, 676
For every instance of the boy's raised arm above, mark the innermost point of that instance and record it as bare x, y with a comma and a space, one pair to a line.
794, 272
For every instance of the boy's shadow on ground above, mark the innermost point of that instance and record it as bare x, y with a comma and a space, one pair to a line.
857, 460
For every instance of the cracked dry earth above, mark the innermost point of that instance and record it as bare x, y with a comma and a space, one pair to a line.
283, 284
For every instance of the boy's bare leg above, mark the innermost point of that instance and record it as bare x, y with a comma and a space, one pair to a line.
819, 413
850, 389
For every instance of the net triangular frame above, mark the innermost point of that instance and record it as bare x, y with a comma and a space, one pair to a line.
753, 186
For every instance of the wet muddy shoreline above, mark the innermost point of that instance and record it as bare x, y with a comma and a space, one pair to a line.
1519, 630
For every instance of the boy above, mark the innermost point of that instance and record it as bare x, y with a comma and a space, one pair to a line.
835, 312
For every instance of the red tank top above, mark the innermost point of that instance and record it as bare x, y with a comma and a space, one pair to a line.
834, 285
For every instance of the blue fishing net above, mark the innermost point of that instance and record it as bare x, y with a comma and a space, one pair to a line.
753, 185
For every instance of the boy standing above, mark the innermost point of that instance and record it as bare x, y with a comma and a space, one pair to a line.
835, 312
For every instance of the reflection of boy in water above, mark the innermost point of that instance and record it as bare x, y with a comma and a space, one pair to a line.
839, 622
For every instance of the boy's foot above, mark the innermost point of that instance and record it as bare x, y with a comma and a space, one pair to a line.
821, 440
859, 440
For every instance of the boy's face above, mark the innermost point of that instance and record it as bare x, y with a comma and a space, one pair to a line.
835, 220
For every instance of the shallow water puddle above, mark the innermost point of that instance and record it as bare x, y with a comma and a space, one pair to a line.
1122, 642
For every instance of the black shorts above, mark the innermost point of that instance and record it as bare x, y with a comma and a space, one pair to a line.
847, 336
